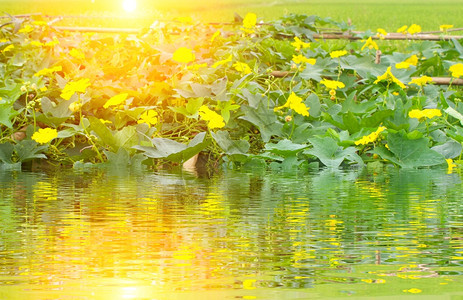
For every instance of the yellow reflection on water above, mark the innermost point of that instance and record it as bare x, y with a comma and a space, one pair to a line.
164, 237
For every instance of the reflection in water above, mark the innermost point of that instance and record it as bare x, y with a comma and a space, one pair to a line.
235, 236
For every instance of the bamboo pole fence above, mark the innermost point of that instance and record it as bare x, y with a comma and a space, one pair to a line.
329, 35
435, 80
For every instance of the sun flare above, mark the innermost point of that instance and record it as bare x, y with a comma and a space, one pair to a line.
129, 5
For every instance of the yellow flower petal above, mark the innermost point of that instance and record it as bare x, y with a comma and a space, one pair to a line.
338, 53
74, 87
332, 84
242, 67
116, 100
44, 135
183, 55
369, 43
457, 70
214, 119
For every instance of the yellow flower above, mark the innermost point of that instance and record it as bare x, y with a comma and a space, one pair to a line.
116, 100
75, 106
413, 291
149, 117
36, 44
52, 43
26, 29
403, 29
445, 27
214, 119
8, 48
222, 62
457, 70
302, 59
425, 113
450, 165
215, 35
388, 76
338, 53
76, 53
371, 138
381, 33
40, 23
75, 86
402, 65
196, 67
414, 29
249, 22
249, 284
183, 55
370, 44
421, 81
298, 44
185, 20
44, 135
242, 67
332, 84
48, 71
413, 60
295, 103
105, 121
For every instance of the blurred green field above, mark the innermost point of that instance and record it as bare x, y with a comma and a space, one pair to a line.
365, 14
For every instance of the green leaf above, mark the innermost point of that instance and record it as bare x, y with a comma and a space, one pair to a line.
28, 149
7, 113
458, 46
409, 153
449, 149
10, 93
285, 148
349, 104
264, 119
351, 122
122, 158
365, 65
313, 102
6, 153
254, 98
126, 137
191, 108
452, 112
316, 71
327, 150
219, 89
54, 114
106, 136
376, 118
236, 149
175, 151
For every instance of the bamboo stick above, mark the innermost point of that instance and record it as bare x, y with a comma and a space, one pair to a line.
280, 74
435, 80
391, 36
97, 29
21, 16
445, 80
330, 36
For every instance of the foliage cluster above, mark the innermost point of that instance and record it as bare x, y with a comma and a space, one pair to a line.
182, 88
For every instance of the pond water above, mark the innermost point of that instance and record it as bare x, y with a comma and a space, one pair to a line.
155, 235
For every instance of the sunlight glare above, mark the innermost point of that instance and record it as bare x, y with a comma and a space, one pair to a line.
129, 5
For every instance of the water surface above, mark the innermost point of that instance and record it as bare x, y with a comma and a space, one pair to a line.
237, 235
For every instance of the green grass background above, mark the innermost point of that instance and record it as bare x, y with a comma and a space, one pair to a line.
364, 14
